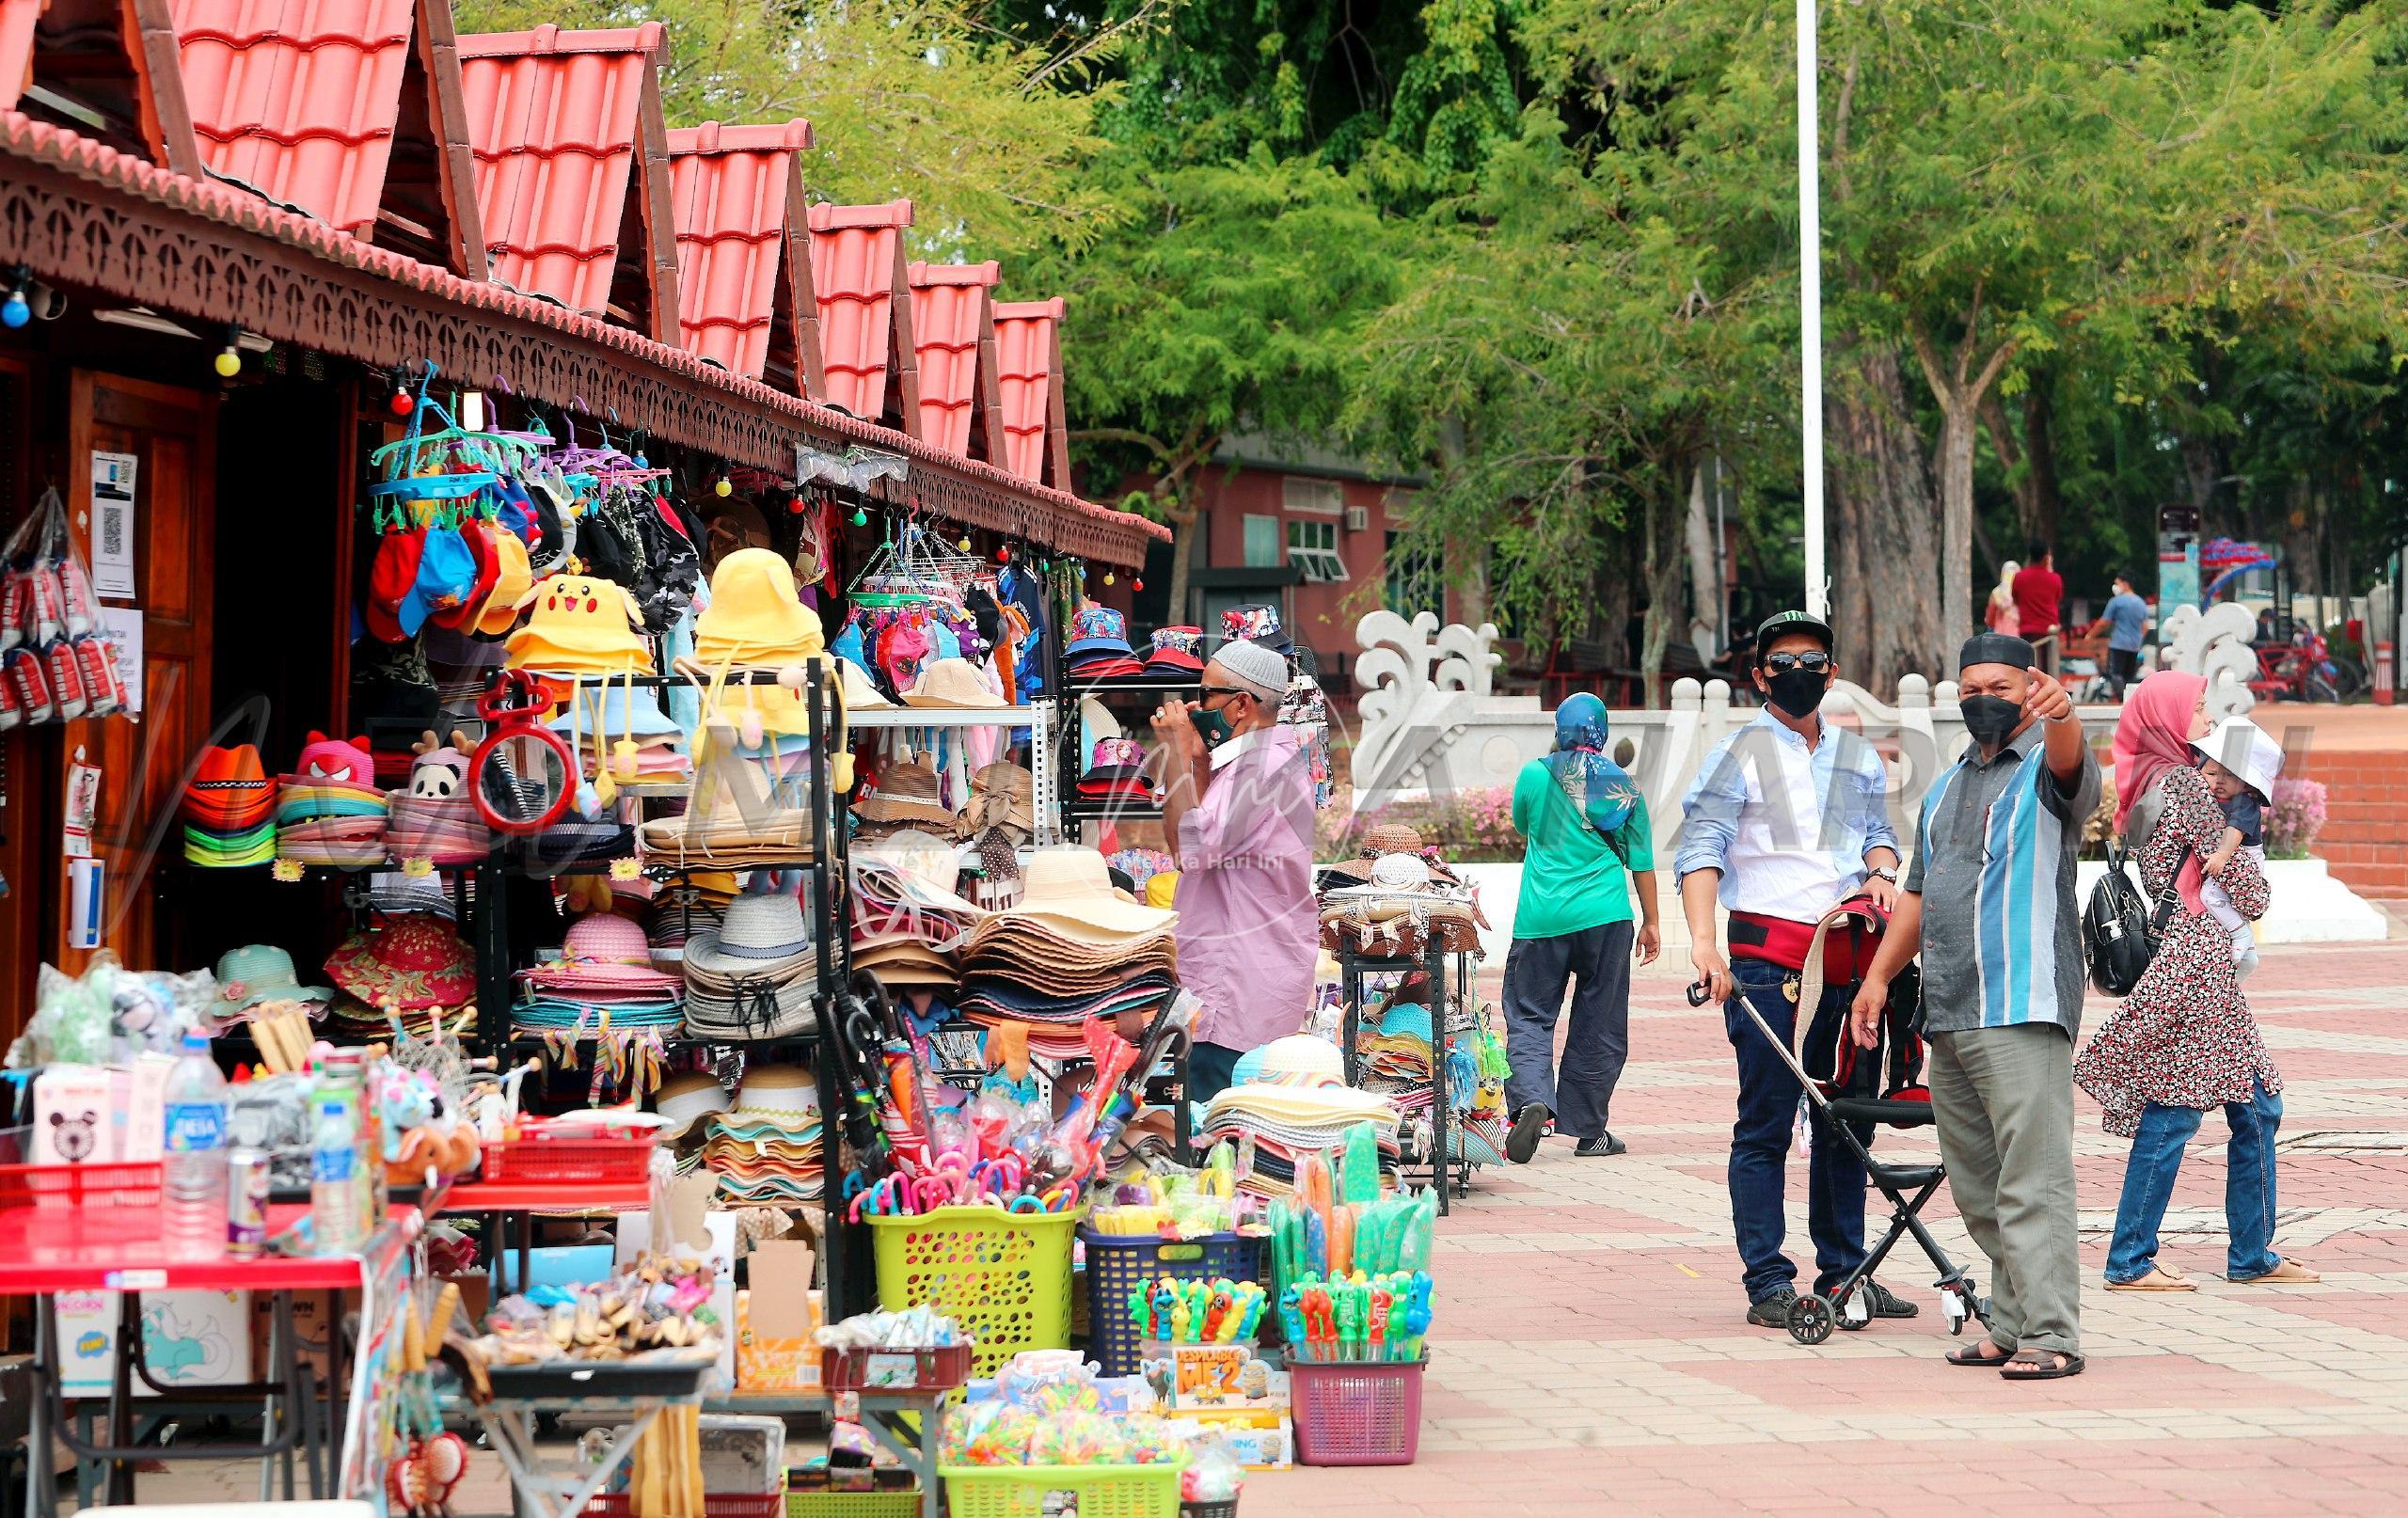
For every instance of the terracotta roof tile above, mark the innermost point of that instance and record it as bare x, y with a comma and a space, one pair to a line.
17, 19
297, 99
1028, 372
954, 340
734, 188
864, 312
553, 119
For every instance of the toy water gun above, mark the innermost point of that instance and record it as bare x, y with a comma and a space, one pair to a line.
1382, 1302
1291, 1313
1320, 1323
1416, 1321
1348, 1298
1180, 1314
1140, 1299
1166, 1304
1251, 1300
1400, 1310
1217, 1316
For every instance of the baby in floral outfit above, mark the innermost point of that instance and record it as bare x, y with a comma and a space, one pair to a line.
2244, 798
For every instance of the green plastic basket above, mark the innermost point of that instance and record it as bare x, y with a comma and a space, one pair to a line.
1003, 1276
852, 1505
1104, 1491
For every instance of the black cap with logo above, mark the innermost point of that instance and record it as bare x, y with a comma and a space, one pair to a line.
1782, 624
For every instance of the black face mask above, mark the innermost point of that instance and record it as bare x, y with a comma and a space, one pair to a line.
1798, 693
1990, 719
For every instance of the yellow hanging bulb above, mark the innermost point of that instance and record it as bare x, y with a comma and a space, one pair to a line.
1107, 576
227, 364
724, 487
964, 544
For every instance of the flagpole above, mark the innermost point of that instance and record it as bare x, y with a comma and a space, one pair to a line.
1810, 298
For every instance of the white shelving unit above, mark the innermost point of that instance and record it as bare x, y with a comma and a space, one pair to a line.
1037, 718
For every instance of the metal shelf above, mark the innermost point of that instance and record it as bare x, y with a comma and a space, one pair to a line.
887, 716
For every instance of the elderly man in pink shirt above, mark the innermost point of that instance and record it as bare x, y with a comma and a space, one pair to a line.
1238, 807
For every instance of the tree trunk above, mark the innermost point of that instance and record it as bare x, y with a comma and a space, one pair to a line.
1184, 520
1705, 585
2041, 457
1886, 605
1666, 549
1956, 514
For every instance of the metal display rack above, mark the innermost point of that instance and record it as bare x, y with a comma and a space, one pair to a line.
1076, 811
1449, 1166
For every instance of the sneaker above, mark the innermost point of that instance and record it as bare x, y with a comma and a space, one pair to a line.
1771, 1311
1883, 1303
1601, 1148
1530, 1126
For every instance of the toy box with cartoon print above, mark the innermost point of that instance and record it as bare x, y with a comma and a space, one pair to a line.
1263, 1440
189, 1339
1214, 1376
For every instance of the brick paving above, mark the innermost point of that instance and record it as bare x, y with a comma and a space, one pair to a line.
1591, 1355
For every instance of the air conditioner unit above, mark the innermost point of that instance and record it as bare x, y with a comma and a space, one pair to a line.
1358, 518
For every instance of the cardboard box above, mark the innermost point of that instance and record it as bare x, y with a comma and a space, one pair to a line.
775, 1320
1218, 1376
312, 1317
1262, 1441
189, 1339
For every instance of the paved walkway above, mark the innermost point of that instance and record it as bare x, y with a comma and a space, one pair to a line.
1590, 1355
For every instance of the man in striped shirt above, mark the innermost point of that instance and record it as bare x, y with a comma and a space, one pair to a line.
1991, 891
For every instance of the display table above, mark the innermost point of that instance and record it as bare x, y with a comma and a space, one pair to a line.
1450, 1168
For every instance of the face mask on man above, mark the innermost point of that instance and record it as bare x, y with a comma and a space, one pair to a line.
1990, 719
1213, 724
1798, 693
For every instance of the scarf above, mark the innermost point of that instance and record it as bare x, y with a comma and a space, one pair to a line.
1599, 790
2151, 737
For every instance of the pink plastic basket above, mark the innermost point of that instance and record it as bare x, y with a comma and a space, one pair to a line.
1366, 1414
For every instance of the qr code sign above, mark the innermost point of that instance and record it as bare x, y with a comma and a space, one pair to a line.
112, 532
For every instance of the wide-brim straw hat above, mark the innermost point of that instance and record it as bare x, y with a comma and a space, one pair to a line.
259, 972
952, 684
918, 869
604, 951
1004, 792
907, 793
756, 936
686, 1099
1070, 891
1387, 838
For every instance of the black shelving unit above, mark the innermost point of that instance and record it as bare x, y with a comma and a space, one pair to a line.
1076, 809
1450, 1168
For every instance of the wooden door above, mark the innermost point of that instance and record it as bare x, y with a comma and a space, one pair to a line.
171, 431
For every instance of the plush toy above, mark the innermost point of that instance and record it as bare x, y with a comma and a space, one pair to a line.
405, 1099
440, 771
338, 760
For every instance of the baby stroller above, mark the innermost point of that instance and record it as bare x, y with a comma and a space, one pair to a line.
1852, 1086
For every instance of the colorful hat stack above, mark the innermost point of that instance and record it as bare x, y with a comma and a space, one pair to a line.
436, 819
1176, 656
230, 810
329, 811
410, 964
676, 914
908, 919
767, 1148
909, 793
1292, 1097
598, 722
1072, 948
1118, 774
603, 980
754, 975
1099, 646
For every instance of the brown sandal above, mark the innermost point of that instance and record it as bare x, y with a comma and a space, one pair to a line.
1971, 1354
2042, 1365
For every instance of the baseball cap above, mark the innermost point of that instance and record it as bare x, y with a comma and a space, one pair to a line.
1782, 624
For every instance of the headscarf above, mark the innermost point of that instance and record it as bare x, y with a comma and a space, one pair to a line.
1598, 789
2151, 737
2002, 593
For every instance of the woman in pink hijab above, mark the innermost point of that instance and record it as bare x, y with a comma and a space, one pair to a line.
2184, 1040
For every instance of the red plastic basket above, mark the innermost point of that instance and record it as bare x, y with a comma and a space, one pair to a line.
1367, 1414
65, 1187
944, 1368
541, 1156
715, 1504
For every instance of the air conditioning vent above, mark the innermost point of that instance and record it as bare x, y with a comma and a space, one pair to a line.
1358, 518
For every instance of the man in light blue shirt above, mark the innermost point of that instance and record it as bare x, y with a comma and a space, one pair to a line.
2126, 619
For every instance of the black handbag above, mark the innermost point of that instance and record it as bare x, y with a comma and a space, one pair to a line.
2120, 931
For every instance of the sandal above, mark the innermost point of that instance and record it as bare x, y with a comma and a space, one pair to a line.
2286, 1272
1971, 1354
2042, 1365
2160, 1278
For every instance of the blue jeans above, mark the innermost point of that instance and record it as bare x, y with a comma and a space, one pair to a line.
1768, 1098
2248, 1186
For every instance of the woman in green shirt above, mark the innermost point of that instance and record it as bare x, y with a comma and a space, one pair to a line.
1585, 827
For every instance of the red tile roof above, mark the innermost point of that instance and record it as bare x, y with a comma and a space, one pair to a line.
554, 118
865, 308
737, 193
1028, 370
297, 99
17, 18
955, 340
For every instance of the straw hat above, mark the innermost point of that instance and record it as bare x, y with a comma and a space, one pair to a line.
581, 625
777, 1092
1302, 1059
926, 867
686, 1099
952, 684
259, 972
1387, 838
860, 693
755, 616
1070, 891
413, 962
1004, 792
603, 949
907, 793
758, 936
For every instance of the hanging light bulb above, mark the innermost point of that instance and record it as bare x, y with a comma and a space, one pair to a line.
230, 362
1003, 556
964, 544
1135, 584
17, 311
1107, 576
724, 488
861, 517
400, 401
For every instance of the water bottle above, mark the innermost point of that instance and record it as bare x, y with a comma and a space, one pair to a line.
193, 1168
334, 1162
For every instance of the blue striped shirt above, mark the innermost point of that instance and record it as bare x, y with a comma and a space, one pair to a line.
1787, 826
1994, 865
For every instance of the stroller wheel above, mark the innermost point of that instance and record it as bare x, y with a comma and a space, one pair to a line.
1811, 1318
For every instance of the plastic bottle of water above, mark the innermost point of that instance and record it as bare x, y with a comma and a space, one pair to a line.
193, 1168
333, 1164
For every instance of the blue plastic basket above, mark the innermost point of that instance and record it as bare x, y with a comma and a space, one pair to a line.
1118, 1264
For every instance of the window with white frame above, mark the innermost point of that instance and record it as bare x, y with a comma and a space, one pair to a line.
1322, 497
1312, 546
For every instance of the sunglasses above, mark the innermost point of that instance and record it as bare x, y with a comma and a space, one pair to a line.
1784, 663
1210, 692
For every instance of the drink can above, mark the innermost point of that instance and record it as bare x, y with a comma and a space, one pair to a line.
246, 1187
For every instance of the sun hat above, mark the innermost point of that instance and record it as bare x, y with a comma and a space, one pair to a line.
757, 934
1178, 650
1098, 629
1259, 669
1116, 759
579, 624
413, 962
1387, 838
1070, 889
861, 693
755, 615
513, 577
397, 893
2248, 750
1255, 624
259, 972
685, 1099
640, 719
776, 1091
229, 791
1003, 793
1302, 1057
907, 792
602, 949
923, 866
953, 684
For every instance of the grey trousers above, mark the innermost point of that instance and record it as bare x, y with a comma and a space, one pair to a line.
2002, 1102
1537, 971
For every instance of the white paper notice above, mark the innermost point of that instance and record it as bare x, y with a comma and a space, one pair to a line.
123, 626
113, 524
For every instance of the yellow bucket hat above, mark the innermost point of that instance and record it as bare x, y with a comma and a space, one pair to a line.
579, 625
755, 616
517, 577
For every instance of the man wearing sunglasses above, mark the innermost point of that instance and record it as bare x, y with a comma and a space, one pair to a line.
1238, 812
1788, 818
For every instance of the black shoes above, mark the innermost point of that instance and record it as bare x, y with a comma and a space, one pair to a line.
1601, 1148
1530, 1126
1771, 1311
1883, 1303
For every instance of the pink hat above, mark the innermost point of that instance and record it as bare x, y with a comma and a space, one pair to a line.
602, 949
